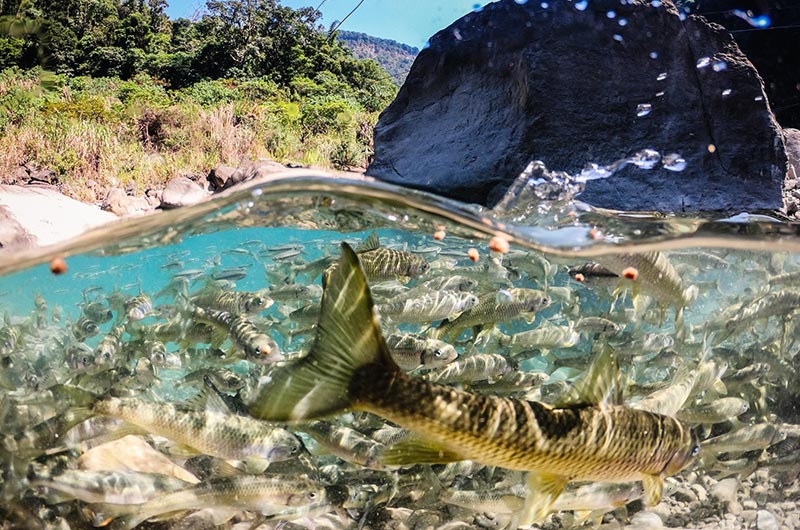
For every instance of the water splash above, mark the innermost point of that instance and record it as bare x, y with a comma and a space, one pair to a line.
645, 159
674, 162
761, 21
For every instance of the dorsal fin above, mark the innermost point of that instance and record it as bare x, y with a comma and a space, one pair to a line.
371, 243
208, 399
600, 384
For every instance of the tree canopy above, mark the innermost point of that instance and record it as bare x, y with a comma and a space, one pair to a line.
234, 39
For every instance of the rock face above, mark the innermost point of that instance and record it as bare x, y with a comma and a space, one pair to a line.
516, 82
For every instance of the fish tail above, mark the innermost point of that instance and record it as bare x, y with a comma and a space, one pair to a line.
348, 348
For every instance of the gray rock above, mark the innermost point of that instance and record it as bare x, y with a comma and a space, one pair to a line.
791, 138
219, 176
46, 176
255, 169
120, 203
766, 521
749, 504
724, 491
182, 191
515, 82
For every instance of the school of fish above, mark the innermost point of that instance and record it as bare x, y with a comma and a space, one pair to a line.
389, 384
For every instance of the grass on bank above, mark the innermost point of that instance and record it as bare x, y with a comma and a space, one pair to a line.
99, 132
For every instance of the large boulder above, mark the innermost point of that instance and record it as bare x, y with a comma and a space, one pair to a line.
576, 83
33, 215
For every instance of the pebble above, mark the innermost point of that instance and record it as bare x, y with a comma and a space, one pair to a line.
725, 490
766, 521
749, 515
684, 495
735, 508
662, 510
700, 492
648, 519
749, 504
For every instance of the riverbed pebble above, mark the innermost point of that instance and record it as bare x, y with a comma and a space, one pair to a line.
766, 521
724, 491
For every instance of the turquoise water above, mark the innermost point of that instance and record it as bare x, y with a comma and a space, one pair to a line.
266, 236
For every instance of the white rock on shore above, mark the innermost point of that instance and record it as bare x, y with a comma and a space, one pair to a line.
47, 216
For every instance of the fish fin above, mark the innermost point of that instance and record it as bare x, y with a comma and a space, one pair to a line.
600, 384
543, 490
183, 450
208, 399
418, 450
348, 338
370, 243
653, 489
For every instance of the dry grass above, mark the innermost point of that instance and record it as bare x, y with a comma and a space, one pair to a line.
94, 139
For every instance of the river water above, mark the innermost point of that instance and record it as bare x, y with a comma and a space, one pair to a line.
700, 313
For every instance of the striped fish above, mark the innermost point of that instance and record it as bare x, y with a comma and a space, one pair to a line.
588, 435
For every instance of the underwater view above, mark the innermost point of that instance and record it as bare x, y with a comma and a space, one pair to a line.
327, 353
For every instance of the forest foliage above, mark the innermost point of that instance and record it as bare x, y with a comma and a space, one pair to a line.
115, 90
395, 57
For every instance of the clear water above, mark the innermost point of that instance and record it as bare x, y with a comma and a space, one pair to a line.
247, 235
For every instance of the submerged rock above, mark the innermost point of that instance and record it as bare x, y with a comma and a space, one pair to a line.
573, 85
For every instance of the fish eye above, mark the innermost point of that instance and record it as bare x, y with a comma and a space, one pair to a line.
695, 449
312, 495
438, 353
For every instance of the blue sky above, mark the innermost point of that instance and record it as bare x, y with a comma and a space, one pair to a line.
407, 21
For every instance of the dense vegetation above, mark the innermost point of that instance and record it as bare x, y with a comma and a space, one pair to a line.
105, 90
396, 58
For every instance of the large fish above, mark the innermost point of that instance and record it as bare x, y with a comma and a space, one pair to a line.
589, 435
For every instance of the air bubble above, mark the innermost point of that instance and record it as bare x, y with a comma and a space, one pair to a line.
643, 109
726, 92
477, 8
623, 22
720, 66
611, 14
582, 5
654, 55
661, 76
618, 37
